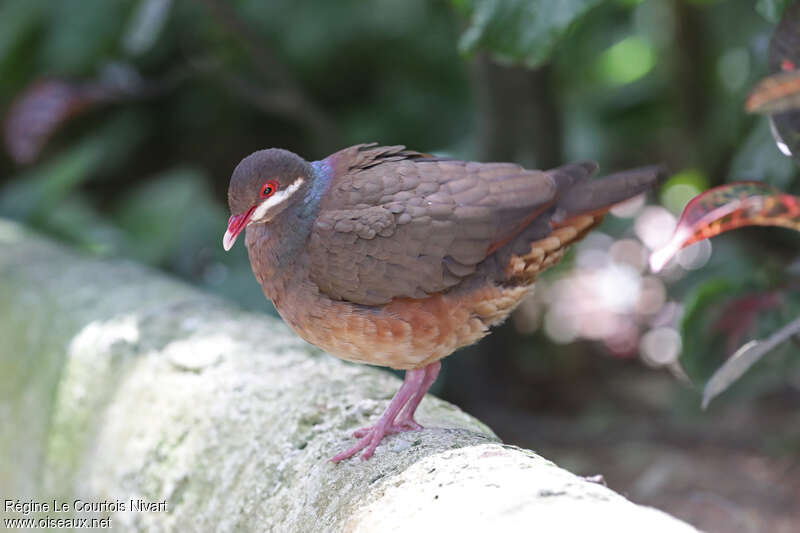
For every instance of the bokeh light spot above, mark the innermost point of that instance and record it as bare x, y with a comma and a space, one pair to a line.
695, 255
652, 296
627, 61
629, 252
660, 346
618, 287
561, 325
681, 188
654, 226
629, 208
733, 68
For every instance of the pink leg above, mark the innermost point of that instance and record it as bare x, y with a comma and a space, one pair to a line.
405, 420
371, 437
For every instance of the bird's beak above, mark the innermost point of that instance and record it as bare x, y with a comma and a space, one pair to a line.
236, 225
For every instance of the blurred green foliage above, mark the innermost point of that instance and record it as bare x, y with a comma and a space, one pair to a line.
524, 31
199, 84
726, 313
772, 9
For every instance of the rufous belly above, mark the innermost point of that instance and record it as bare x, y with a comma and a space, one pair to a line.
412, 333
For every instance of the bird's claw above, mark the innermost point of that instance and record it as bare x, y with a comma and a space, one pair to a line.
371, 437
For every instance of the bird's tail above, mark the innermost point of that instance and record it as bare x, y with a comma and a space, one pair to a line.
582, 203
581, 195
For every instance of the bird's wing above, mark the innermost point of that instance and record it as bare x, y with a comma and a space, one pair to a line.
396, 223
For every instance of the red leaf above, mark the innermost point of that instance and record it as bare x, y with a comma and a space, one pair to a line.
775, 94
739, 315
727, 207
42, 108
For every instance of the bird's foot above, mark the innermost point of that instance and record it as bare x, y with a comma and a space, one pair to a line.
398, 427
399, 415
370, 438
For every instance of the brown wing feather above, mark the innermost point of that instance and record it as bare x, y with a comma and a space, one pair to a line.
403, 224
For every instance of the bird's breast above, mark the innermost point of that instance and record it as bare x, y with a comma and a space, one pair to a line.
405, 333
411, 333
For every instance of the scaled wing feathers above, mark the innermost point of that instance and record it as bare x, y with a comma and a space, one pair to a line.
397, 223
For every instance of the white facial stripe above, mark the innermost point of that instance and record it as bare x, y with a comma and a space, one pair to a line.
277, 198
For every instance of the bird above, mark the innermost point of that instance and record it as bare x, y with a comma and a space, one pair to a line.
391, 257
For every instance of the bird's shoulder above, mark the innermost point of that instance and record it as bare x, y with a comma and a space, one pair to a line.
368, 175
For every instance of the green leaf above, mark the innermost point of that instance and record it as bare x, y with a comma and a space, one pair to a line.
82, 34
744, 358
78, 222
772, 9
42, 188
20, 22
698, 358
17, 17
520, 31
34, 194
723, 315
146, 25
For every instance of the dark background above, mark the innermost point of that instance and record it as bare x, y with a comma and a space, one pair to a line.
124, 119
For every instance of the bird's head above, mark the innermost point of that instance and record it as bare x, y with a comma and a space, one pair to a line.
263, 185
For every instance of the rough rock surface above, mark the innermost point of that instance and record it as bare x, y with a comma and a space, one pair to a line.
117, 383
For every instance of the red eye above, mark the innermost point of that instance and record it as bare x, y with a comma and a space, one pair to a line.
269, 188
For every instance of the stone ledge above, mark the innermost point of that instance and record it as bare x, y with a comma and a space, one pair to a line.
123, 384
